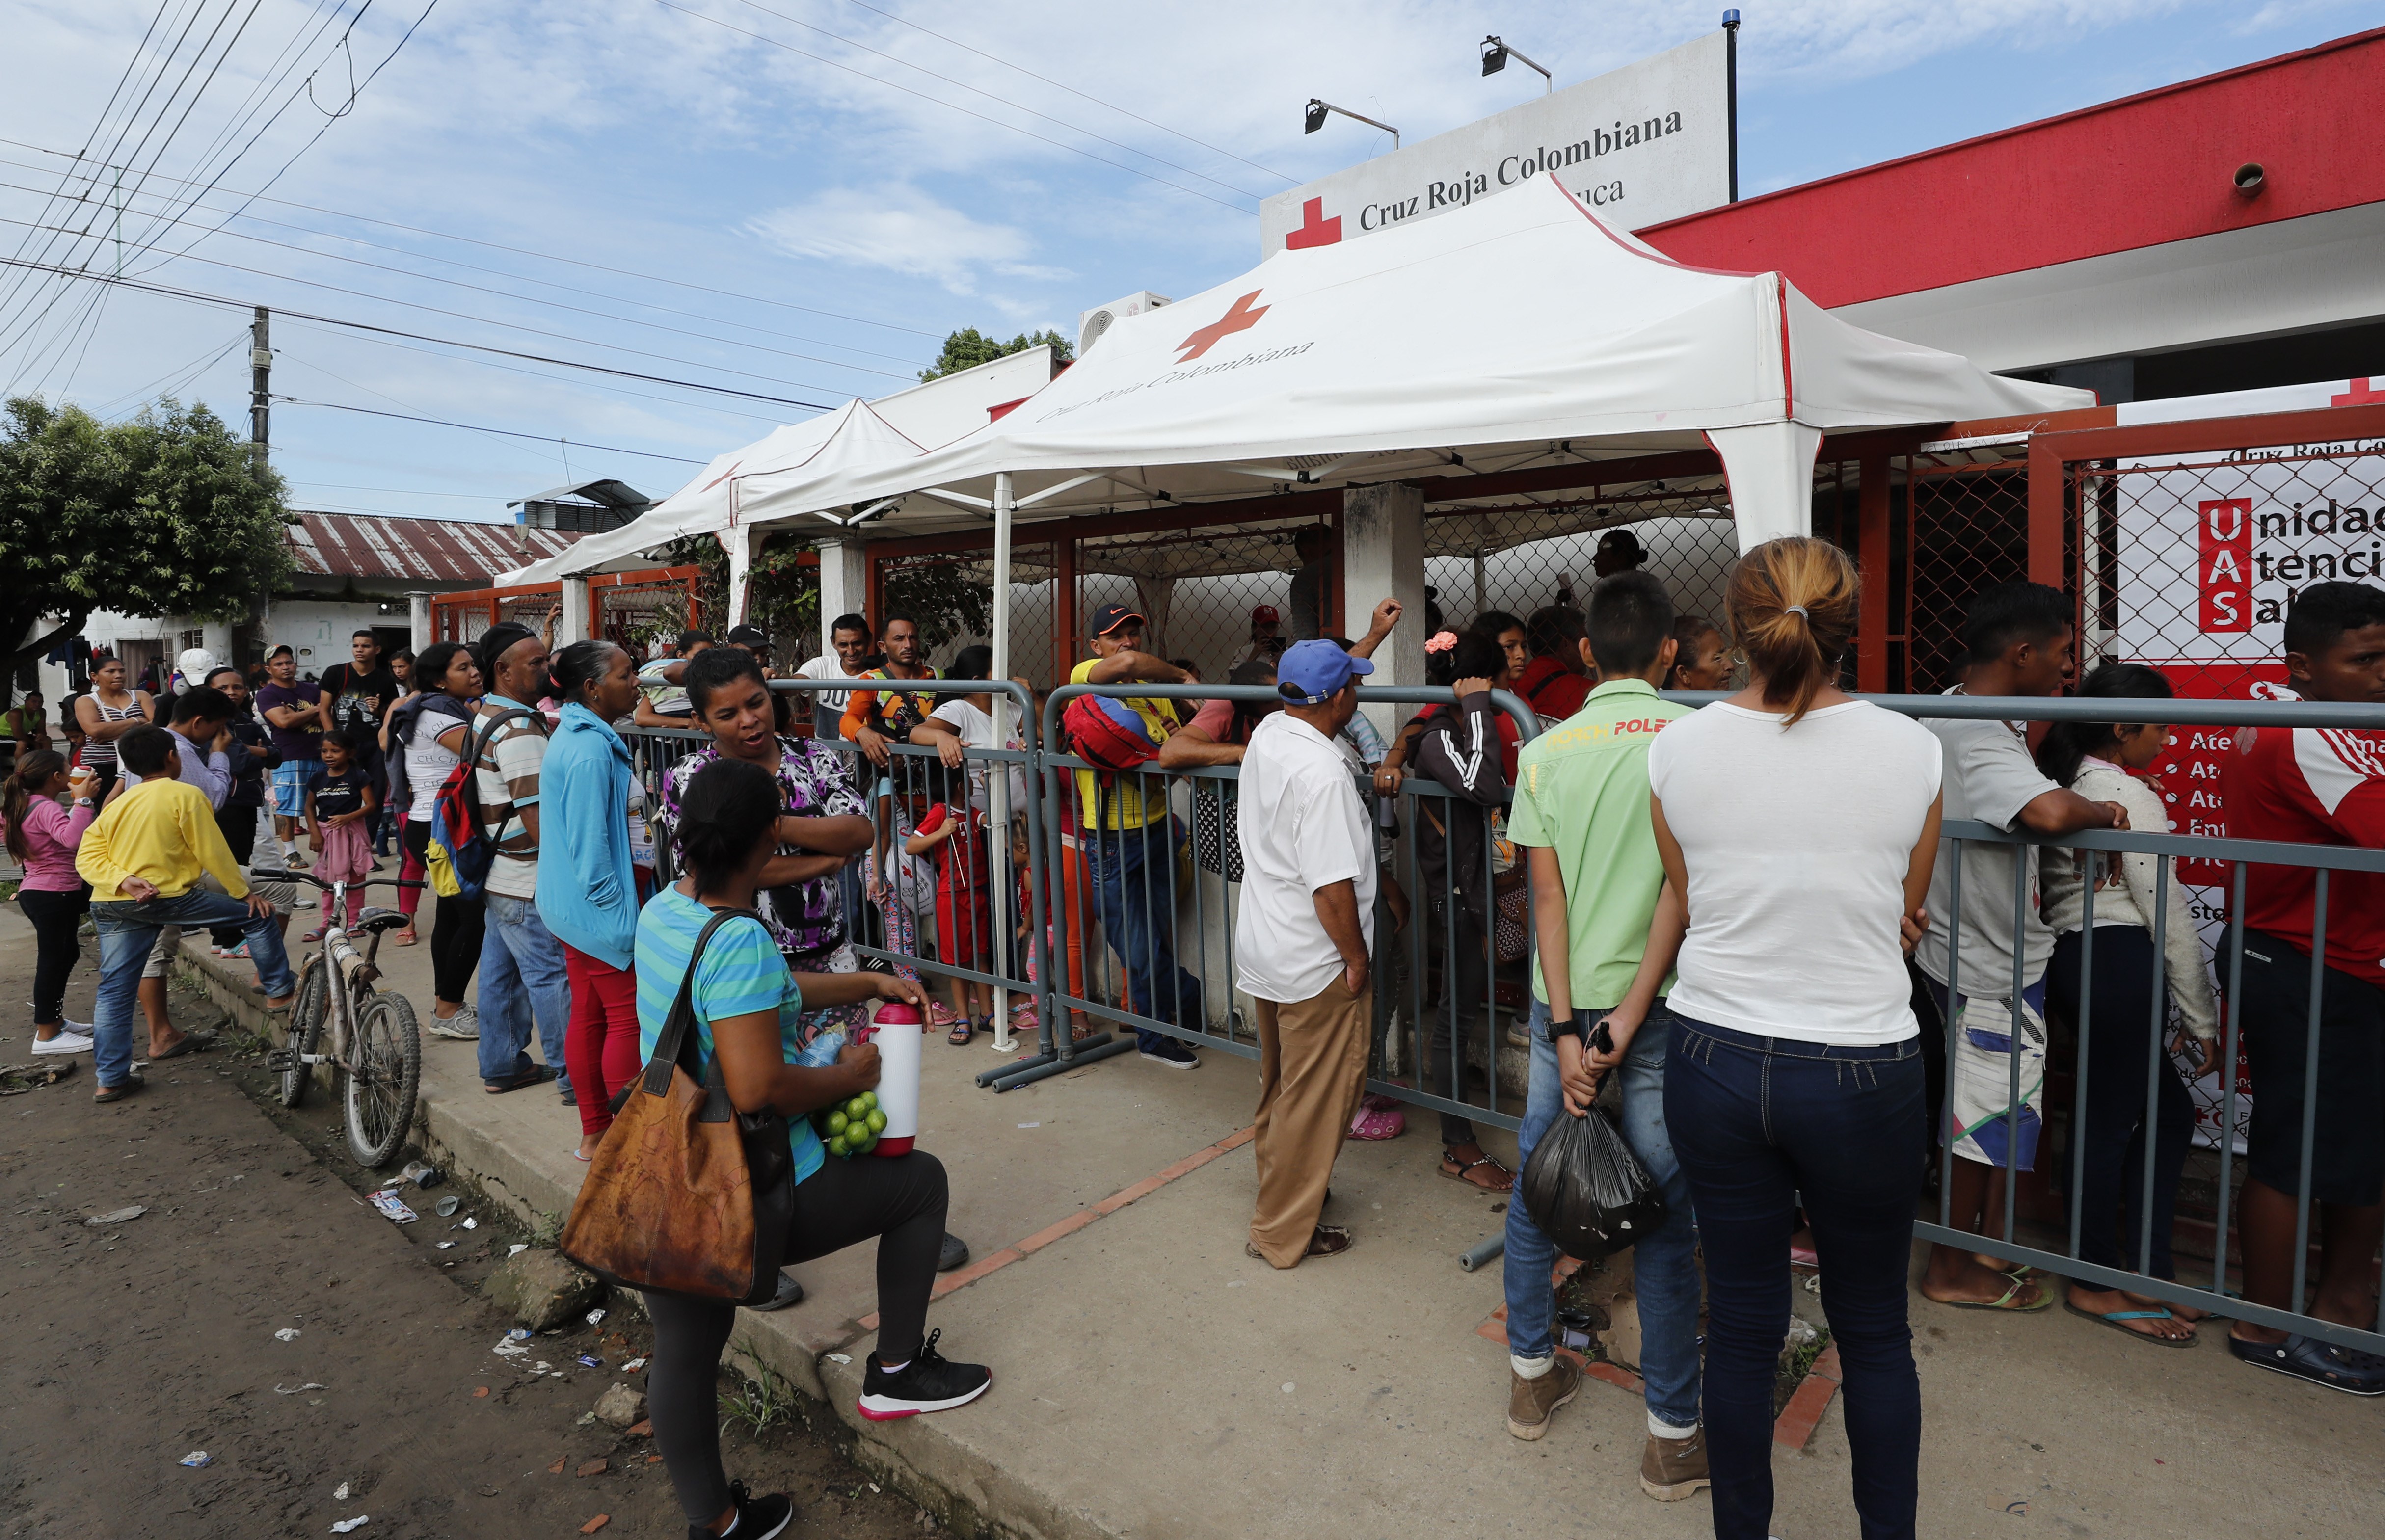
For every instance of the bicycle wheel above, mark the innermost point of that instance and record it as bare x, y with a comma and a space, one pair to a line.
384, 1071
307, 1013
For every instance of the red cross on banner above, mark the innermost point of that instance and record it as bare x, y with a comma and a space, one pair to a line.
2362, 393
1314, 229
1239, 317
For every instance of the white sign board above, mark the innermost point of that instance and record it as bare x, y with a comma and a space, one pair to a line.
1641, 144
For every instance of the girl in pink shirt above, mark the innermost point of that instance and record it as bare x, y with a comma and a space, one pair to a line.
42, 836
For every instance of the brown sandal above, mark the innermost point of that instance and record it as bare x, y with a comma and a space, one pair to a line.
1326, 1240
1448, 1160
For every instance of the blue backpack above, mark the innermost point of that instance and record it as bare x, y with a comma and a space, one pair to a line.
462, 850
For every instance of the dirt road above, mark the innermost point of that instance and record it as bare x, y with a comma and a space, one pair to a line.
132, 1343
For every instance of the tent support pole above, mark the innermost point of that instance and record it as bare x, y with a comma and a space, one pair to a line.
998, 781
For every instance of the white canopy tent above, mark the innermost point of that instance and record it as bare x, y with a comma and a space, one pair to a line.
1519, 333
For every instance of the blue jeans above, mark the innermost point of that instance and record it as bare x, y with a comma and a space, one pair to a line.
128, 932
1762, 1123
521, 979
1663, 1266
1134, 877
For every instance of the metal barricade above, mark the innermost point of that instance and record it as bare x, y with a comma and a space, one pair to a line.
1104, 844
2167, 849
1136, 874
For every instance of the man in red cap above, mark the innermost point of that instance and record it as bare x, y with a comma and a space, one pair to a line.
1129, 841
1266, 635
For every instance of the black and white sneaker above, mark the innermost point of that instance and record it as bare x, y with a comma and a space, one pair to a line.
929, 1383
1169, 1054
757, 1518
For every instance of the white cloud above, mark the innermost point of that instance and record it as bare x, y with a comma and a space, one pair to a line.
903, 230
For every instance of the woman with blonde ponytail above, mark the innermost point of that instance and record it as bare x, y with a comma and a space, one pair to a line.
1800, 824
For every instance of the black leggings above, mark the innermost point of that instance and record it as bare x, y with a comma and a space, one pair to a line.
455, 938
2120, 1036
58, 920
901, 1200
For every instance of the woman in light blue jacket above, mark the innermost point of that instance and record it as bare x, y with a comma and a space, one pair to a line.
593, 831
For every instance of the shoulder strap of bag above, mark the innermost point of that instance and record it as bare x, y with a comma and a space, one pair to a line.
678, 1037
481, 733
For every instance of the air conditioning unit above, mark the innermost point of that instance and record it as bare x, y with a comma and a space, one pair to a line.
1094, 323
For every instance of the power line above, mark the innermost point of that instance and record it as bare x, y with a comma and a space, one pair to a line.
476, 427
954, 106
525, 251
475, 288
1072, 91
465, 316
197, 297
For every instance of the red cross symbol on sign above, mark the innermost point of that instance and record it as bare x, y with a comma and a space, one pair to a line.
2361, 394
1239, 317
1314, 229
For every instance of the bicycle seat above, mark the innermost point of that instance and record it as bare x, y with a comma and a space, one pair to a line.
375, 921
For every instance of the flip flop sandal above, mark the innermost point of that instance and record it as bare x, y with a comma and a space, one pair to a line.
2114, 1319
116, 1092
537, 1074
2322, 1363
1463, 1167
1378, 1122
1326, 1240
2001, 1302
406, 938
193, 1042
962, 1034
315, 935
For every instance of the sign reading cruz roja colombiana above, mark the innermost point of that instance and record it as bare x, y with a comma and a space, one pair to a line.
1641, 144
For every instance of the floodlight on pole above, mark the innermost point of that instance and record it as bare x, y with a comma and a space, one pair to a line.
1495, 55
1318, 108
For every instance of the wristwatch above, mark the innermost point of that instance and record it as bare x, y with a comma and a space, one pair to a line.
1576, 1024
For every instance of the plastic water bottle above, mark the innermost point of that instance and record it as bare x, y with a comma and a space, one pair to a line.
896, 1029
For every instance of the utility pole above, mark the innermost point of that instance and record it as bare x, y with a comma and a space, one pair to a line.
260, 380
1730, 71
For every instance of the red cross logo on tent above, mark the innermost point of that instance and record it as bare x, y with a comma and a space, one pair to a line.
1314, 229
1239, 317
2363, 392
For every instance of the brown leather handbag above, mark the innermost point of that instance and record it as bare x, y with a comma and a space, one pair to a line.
686, 1195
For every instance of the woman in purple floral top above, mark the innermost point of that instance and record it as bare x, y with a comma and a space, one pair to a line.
824, 825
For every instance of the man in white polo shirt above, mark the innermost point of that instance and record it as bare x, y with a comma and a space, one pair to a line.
1302, 938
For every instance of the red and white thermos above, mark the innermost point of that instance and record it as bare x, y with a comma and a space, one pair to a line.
896, 1029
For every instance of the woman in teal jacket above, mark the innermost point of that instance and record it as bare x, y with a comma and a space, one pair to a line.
593, 827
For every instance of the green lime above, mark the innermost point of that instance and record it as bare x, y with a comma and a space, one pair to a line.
866, 1146
868, 1100
876, 1122
855, 1108
837, 1121
838, 1147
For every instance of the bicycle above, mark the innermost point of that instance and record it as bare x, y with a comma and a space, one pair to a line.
374, 1046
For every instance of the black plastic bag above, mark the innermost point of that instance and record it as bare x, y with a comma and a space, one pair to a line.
1586, 1190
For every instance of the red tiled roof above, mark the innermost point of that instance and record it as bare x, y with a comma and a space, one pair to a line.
427, 550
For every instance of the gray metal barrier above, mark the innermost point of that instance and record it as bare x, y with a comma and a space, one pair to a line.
1119, 862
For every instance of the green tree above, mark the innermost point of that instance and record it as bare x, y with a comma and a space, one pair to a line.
781, 592
969, 347
164, 515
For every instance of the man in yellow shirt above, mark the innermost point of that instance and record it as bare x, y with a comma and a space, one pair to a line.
145, 858
1129, 842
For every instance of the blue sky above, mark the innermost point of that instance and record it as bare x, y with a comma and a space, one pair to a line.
798, 198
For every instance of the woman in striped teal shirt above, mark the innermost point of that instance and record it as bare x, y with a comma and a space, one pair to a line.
747, 1009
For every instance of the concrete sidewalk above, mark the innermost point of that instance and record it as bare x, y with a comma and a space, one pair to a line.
1150, 1380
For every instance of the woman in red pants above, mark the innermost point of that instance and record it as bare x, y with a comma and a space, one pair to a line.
597, 868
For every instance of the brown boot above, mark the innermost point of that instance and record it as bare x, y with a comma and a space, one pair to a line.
1530, 1402
1671, 1469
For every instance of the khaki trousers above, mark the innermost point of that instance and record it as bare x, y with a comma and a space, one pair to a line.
1312, 1072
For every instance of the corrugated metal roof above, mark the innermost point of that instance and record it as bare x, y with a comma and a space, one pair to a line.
425, 550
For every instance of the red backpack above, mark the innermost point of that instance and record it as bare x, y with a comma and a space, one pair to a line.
1107, 734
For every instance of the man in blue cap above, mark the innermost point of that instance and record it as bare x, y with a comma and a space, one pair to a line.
1302, 940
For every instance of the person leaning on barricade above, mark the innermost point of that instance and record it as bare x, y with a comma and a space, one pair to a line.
2120, 1134
1581, 814
2313, 785
2019, 641
1303, 936
1799, 825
